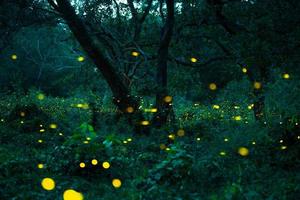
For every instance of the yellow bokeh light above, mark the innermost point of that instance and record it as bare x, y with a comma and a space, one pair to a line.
125, 142
53, 126
105, 165
153, 110
40, 96
216, 107
171, 136
71, 194
243, 151
244, 70
14, 57
237, 118
193, 60
168, 149
82, 165
116, 183
94, 162
257, 85
130, 109
80, 59
168, 99
212, 86
40, 166
85, 142
286, 76
145, 123
180, 132
40, 141
48, 184
129, 139
253, 142
226, 139
42, 130
283, 147
135, 53
223, 153
22, 114
198, 139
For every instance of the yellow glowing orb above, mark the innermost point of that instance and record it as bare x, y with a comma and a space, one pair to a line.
237, 118
244, 70
129, 109
193, 60
94, 162
153, 110
243, 151
168, 99
116, 183
286, 76
145, 123
283, 147
198, 139
22, 114
180, 132
212, 86
216, 107
125, 142
257, 85
253, 142
82, 165
40, 96
40, 141
135, 53
105, 165
72, 195
40, 166
223, 153
48, 184
14, 57
80, 59
171, 136
129, 139
42, 130
226, 140
53, 126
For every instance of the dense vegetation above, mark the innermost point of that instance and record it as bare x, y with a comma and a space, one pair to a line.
149, 99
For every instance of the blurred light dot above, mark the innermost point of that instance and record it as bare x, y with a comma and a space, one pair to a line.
168, 99
253, 142
180, 132
283, 147
135, 53
125, 142
116, 183
198, 139
40, 96
22, 114
80, 59
129, 139
212, 86
257, 85
53, 126
243, 151
48, 184
237, 118
129, 109
40, 166
40, 141
14, 57
42, 130
71, 194
105, 165
286, 76
223, 153
216, 107
193, 60
171, 136
94, 162
244, 70
82, 165
226, 140
145, 123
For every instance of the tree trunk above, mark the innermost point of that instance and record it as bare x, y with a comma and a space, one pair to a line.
121, 95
